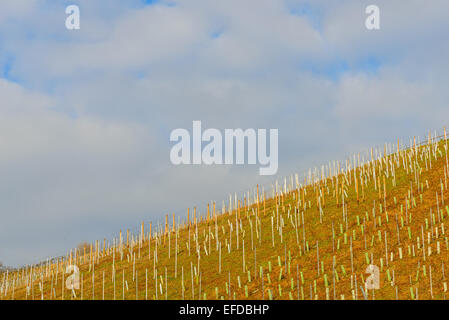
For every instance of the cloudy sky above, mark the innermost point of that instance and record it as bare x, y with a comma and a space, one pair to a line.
86, 115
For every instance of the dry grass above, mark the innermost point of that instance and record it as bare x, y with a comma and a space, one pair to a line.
290, 267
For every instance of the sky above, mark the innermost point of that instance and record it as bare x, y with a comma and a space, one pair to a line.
86, 115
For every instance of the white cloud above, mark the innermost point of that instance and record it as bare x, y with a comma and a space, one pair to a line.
84, 133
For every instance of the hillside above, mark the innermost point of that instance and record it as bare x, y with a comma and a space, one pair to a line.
310, 239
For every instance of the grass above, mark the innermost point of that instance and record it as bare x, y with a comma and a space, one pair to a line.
308, 242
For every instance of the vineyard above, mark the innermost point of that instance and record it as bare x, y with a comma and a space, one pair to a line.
327, 236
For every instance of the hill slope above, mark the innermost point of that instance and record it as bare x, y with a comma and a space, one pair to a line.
313, 240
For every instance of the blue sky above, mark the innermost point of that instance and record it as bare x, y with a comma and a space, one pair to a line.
86, 114
7, 68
